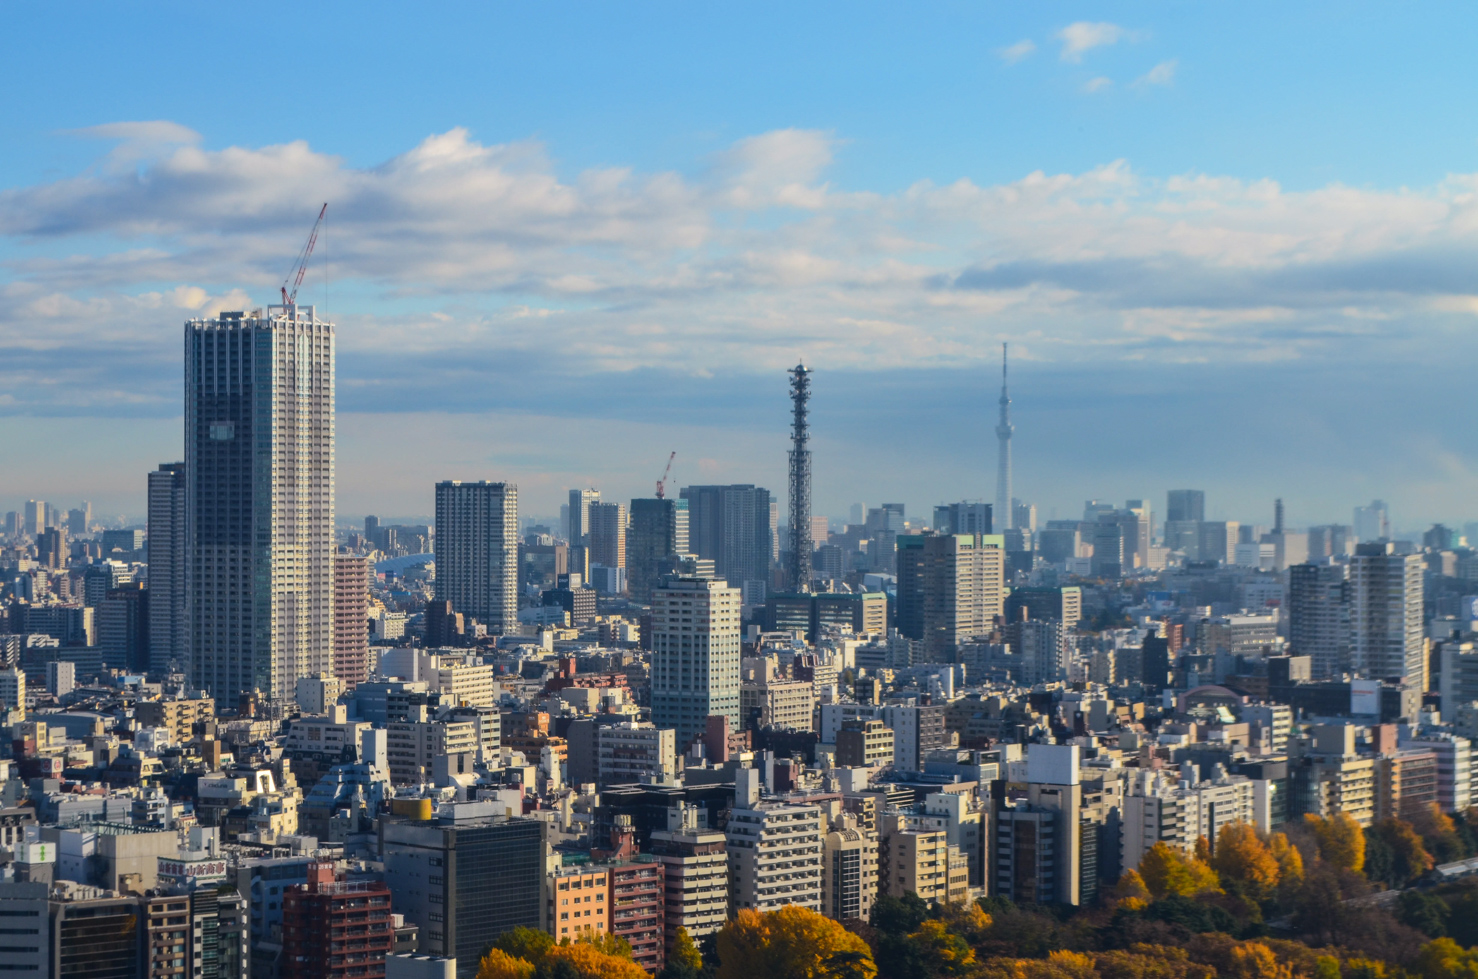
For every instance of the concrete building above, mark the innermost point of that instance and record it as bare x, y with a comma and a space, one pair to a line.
864, 744
768, 700
123, 628
917, 730
168, 628
578, 905
849, 879
334, 928
774, 854
579, 510
1386, 624
695, 655
920, 862
351, 619
950, 589
1454, 767
696, 864
477, 551
412, 746
635, 751
259, 499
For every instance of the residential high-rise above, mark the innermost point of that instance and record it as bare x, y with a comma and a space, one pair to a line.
123, 628
580, 503
259, 500
607, 534
169, 650
1187, 505
695, 655
695, 860
1319, 616
657, 536
351, 619
731, 526
1386, 613
799, 487
775, 855
1373, 522
1004, 428
950, 588
335, 929
477, 551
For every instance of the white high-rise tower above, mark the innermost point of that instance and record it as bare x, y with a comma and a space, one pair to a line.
259, 500
1001, 518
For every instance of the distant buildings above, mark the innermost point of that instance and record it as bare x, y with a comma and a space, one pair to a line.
695, 655
734, 526
168, 626
950, 588
1386, 613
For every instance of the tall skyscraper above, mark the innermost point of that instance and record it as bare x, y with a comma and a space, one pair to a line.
731, 526
659, 532
259, 500
35, 517
477, 551
607, 534
1185, 505
695, 655
962, 518
169, 648
1386, 612
1373, 522
950, 588
351, 619
801, 544
1319, 616
580, 503
1004, 429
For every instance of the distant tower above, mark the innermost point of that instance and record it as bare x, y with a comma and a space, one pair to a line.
800, 481
1001, 519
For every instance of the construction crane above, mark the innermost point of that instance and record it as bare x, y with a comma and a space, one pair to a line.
662, 483
301, 268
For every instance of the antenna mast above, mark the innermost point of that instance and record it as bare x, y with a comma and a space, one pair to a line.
800, 480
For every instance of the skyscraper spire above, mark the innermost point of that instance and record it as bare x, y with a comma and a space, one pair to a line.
1001, 519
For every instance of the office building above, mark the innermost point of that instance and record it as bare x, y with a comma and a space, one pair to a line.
969, 517
51, 548
695, 655
1185, 505
1319, 616
123, 628
864, 743
950, 588
1387, 632
607, 534
849, 877
259, 499
1063, 604
34, 517
351, 619
168, 627
477, 551
1218, 541
732, 526
1373, 522
658, 536
634, 751
770, 701
917, 730
61, 678
1038, 837
579, 515
1332, 540
466, 879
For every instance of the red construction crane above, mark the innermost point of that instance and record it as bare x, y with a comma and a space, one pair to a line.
291, 298
662, 483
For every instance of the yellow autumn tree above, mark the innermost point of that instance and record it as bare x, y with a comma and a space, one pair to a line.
1256, 961
1130, 892
1341, 840
791, 943
1290, 861
1167, 872
1241, 856
943, 952
1444, 958
498, 964
590, 962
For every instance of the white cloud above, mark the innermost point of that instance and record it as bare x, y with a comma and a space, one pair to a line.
1161, 74
1082, 36
1019, 51
493, 258
1097, 84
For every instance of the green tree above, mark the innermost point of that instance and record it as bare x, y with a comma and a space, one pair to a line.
683, 962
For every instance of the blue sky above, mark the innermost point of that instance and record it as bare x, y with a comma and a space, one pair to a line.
1232, 244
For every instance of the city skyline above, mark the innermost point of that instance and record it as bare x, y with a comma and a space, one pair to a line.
1183, 308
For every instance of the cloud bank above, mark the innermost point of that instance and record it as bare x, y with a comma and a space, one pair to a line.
461, 253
